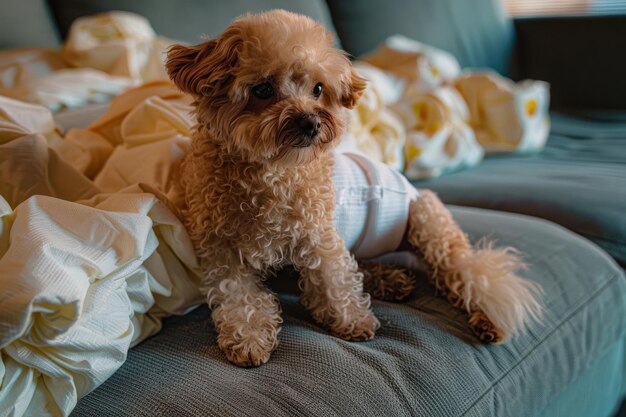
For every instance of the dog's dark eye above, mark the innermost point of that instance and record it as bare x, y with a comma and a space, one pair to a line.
263, 91
317, 90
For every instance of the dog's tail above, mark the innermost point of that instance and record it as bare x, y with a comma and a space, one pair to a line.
482, 281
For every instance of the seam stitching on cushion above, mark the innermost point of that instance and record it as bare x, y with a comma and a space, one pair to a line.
592, 237
547, 337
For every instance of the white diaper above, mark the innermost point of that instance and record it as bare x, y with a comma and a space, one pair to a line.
372, 204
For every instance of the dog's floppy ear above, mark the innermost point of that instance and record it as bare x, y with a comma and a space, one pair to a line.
180, 62
204, 68
353, 88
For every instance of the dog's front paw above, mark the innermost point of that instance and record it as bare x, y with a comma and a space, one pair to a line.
247, 348
248, 353
247, 336
360, 328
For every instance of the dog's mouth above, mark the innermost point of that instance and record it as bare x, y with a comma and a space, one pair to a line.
300, 141
297, 148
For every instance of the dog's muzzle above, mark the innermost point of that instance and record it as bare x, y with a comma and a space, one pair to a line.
309, 125
302, 131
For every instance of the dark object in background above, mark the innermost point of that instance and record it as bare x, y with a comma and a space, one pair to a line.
583, 58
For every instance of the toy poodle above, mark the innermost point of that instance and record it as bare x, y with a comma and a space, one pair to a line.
270, 96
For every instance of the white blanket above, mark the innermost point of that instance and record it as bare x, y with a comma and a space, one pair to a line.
82, 280
80, 285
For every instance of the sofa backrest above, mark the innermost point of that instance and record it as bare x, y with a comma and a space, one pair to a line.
27, 23
475, 31
186, 20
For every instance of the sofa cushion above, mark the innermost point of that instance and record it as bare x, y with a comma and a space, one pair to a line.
189, 20
578, 181
476, 32
423, 362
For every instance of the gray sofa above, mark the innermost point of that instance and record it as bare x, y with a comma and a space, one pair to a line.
565, 208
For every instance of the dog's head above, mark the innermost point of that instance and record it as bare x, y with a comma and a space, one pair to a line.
271, 88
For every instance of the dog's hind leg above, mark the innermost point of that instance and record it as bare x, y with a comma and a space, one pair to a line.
386, 282
481, 281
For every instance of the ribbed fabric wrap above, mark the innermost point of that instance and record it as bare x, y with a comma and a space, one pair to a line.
372, 204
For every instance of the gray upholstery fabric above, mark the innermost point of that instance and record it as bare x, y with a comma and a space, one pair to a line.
584, 398
477, 32
423, 362
187, 20
578, 181
17, 15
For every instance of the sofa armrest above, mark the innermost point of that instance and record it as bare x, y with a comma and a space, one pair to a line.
581, 57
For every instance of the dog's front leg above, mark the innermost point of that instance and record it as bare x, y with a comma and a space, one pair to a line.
246, 315
332, 288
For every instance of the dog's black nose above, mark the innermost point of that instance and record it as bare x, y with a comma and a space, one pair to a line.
309, 124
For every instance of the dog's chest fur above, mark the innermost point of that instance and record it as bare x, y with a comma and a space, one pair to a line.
261, 216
